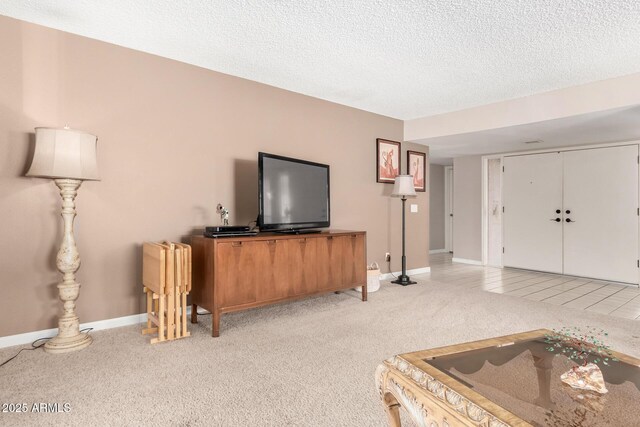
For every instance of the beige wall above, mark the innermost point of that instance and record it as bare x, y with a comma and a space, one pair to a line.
587, 98
467, 208
174, 140
436, 207
417, 229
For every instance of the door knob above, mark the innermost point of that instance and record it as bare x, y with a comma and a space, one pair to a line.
556, 219
567, 211
558, 211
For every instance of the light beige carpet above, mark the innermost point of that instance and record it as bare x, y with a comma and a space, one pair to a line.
306, 363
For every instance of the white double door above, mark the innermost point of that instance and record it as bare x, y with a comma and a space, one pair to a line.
573, 212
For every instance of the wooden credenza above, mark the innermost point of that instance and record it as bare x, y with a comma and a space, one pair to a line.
238, 273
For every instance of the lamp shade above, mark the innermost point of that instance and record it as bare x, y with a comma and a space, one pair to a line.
403, 187
64, 153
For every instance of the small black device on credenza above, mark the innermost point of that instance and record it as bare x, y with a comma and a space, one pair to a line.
229, 231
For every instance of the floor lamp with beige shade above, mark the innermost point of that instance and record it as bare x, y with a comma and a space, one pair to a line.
404, 189
68, 157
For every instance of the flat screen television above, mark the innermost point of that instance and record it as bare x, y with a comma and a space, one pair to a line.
293, 194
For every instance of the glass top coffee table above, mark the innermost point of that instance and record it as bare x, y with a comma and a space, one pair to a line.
507, 381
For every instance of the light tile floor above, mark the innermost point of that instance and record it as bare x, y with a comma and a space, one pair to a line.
587, 294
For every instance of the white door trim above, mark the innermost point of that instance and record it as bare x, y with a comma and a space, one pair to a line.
485, 205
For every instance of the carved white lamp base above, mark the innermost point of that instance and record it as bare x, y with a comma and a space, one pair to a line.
59, 344
69, 337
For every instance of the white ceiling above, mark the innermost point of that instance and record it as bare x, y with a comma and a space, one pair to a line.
622, 124
401, 58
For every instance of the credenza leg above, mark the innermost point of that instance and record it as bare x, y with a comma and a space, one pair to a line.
194, 313
364, 292
215, 323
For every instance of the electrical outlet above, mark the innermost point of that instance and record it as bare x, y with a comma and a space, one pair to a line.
387, 257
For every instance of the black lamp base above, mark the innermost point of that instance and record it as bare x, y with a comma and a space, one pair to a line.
403, 280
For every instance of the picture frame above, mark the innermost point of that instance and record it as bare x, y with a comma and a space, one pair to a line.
388, 160
417, 167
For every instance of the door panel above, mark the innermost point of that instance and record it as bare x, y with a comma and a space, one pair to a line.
532, 192
354, 265
237, 270
601, 193
448, 208
272, 261
330, 252
302, 267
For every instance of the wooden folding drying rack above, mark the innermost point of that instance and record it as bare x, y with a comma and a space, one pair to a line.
166, 276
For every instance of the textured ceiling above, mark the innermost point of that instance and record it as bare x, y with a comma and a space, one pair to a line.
402, 58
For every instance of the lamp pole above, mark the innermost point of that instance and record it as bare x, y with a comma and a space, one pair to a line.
69, 337
404, 256
403, 279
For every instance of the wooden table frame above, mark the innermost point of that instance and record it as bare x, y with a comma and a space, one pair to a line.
433, 398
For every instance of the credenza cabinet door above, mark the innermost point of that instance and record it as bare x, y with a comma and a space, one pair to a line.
272, 261
354, 268
237, 269
302, 265
329, 261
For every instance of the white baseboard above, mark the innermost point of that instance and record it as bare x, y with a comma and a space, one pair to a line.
438, 251
29, 337
422, 270
98, 325
466, 261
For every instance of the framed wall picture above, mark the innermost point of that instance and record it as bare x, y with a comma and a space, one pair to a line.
387, 160
417, 167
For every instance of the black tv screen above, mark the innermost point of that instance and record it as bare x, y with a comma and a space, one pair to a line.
293, 194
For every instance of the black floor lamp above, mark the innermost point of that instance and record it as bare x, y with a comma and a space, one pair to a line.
404, 189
